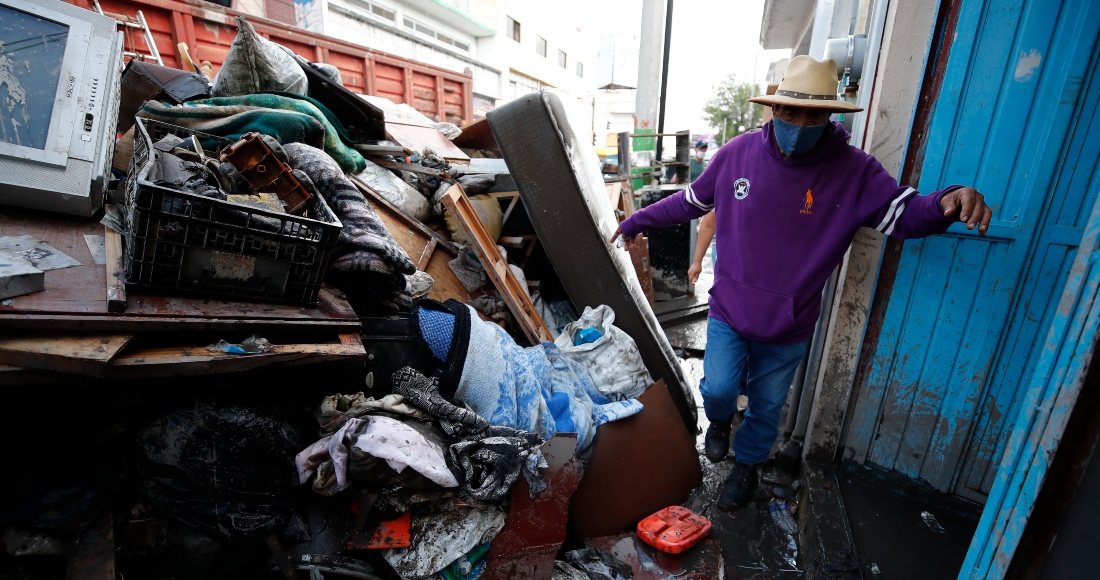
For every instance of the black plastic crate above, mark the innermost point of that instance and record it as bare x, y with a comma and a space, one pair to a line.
186, 242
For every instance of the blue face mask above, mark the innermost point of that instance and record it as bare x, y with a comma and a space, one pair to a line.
796, 139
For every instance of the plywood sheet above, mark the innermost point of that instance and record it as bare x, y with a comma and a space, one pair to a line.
639, 465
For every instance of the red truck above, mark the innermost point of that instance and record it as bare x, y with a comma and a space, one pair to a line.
209, 29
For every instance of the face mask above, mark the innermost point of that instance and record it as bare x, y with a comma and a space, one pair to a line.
699, 155
796, 139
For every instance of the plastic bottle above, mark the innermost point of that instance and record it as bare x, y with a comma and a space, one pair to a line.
782, 516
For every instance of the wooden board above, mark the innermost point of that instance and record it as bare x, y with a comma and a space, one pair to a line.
639, 465
197, 360
116, 288
86, 354
74, 299
514, 294
477, 135
417, 239
193, 359
417, 138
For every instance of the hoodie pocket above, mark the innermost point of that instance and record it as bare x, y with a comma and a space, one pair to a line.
756, 313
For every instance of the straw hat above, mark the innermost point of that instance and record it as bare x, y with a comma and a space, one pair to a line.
808, 83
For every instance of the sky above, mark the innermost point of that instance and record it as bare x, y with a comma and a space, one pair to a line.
710, 41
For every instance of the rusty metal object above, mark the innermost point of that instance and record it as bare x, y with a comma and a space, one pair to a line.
535, 528
263, 169
639, 465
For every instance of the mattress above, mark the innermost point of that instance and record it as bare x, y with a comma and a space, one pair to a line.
557, 175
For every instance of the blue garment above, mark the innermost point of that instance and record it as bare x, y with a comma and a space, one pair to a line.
536, 389
770, 372
437, 328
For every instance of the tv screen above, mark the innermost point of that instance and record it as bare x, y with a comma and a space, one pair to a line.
32, 51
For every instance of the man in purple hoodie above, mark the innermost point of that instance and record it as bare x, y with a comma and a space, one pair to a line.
788, 200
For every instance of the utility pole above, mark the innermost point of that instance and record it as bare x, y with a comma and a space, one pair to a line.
647, 102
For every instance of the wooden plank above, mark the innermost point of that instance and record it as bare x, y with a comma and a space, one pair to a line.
114, 270
67, 303
193, 360
420, 137
639, 256
414, 237
477, 135
426, 255
511, 290
78, 354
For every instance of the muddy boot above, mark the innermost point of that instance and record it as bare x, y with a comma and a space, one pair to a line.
739, 487
717, 443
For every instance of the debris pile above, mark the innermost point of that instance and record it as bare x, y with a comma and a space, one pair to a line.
315, 332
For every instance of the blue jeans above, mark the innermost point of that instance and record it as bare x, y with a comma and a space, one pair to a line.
770, 372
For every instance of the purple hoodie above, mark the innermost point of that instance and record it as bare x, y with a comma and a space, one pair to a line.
784, 224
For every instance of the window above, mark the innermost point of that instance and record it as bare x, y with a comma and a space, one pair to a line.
376, 9
513, 29
439, 36
540, 46
562, 58
580, 70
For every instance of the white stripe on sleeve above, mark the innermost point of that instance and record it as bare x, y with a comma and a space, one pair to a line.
893, 223
893, 206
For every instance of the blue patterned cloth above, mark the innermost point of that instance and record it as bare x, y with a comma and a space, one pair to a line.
437, 328
536, 389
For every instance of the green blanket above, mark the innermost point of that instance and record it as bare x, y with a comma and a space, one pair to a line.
286, 119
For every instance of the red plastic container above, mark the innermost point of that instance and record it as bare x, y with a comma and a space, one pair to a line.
674, 529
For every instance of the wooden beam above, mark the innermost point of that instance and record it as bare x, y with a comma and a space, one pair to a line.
116, 289
426, 255
86, 354
514, 294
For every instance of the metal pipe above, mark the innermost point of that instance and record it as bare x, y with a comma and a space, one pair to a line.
870, 68
664, 82
813, 363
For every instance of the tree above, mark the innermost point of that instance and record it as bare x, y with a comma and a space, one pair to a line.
729, 110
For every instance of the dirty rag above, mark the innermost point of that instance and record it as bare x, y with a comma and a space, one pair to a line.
350, 160
486, 459
443, 536
599, 565
232, 122
385, 438
613, 360
335, 410
395, 190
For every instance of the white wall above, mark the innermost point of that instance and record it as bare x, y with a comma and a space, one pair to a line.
539, 19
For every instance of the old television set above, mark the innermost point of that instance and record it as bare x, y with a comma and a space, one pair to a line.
60, 68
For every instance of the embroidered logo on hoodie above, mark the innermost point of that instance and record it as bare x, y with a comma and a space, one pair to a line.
809, 203
741, 188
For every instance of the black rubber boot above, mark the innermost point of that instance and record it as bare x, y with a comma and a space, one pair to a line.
717, 443
740, 485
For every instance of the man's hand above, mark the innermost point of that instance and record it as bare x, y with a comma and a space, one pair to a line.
970, 206
630, 243
694, 271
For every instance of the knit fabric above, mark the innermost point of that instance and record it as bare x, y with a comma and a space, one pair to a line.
438, 330
487, 460
365, 245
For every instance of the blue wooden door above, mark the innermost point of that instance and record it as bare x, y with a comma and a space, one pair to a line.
1016, 118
